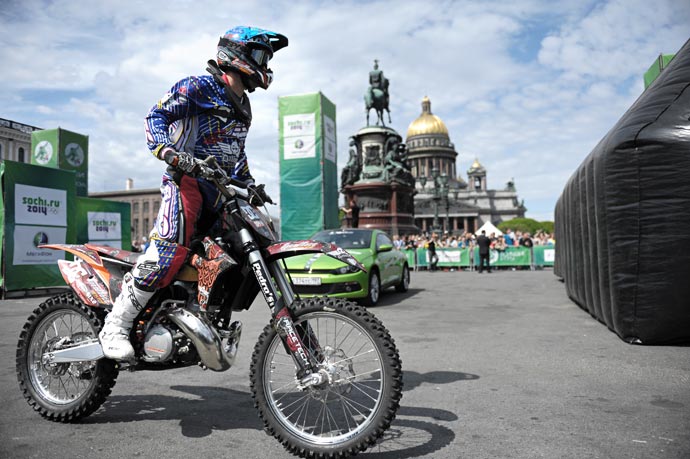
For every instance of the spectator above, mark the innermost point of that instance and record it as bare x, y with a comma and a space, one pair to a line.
353, 212
397, 242
500, 244
431, 247
484, 243
509, 237
526, 241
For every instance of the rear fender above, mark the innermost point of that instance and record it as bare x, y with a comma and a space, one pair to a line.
293, 248
87, 276
83, 279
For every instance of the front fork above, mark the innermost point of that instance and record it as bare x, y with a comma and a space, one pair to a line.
279, 299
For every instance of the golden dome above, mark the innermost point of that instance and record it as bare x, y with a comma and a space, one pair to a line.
427, 123
476, 166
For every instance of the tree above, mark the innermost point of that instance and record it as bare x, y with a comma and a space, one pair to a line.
526, 225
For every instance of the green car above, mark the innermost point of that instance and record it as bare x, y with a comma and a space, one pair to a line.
318, 274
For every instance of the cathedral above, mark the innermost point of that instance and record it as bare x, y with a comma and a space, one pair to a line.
444, 201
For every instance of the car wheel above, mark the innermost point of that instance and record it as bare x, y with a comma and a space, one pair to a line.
404, 283
374, 289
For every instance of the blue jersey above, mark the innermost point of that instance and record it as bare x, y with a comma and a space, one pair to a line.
196, 117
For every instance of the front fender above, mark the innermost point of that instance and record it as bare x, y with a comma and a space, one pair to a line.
292, 248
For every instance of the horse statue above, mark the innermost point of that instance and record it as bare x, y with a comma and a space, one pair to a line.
376, 96
376, 99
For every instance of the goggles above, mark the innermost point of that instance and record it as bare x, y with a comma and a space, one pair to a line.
261, 56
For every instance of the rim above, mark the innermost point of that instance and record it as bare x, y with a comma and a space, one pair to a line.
406, 277
341, 408
374, 288
60, 383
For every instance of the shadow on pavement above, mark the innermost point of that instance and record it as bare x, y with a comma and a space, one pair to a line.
390, 297
215, 409
412, 379
219, 409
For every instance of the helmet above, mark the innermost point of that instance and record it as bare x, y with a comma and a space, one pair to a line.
247, 50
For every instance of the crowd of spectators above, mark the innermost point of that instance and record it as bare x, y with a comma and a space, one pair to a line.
498, 242
468, 240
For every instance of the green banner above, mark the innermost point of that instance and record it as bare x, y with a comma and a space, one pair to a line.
2, 226
544, 255
308, 165
511, 256
74, 156
39, 209
104, 222
44, 148
63, 149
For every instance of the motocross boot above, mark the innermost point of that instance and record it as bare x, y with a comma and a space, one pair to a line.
114, 336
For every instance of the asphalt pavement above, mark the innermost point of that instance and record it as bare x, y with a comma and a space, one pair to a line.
499, 365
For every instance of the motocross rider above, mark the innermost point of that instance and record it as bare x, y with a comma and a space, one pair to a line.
200, 116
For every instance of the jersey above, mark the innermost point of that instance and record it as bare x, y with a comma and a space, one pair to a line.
196, 117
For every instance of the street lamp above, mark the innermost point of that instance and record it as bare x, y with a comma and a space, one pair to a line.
436, 197
440, 190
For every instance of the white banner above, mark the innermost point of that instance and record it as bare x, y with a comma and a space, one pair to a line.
299, 147
303, 124
299, 136
329, 149
39, 206
104, 226
26, 240
549, 255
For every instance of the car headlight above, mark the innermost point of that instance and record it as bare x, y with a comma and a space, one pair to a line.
345, 269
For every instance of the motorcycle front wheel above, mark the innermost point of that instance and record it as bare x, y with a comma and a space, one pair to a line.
62, 392
349, 412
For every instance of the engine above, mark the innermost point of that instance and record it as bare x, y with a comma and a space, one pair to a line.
165, 343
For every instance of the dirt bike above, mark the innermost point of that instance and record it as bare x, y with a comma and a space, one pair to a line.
326, 376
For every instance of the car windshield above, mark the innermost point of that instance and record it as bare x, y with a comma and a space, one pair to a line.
345, 239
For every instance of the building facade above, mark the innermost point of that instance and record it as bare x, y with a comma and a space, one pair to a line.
444, 201
15, 140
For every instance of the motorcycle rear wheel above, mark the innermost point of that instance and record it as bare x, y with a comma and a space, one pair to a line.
62, 392
349, 413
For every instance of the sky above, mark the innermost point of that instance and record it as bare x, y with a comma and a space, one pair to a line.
527, 87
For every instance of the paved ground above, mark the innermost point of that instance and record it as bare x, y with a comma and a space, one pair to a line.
499, 365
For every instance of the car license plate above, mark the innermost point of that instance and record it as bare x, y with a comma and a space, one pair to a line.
307, 280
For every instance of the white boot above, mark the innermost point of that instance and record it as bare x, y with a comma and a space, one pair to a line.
114, 336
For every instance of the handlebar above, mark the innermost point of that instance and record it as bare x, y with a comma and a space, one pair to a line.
210, 170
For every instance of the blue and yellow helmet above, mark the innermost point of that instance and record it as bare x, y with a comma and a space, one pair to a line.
247, 50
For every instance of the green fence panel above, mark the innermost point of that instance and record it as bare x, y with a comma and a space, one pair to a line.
39, 204
453, 257
465, 257
544, 255
511, 256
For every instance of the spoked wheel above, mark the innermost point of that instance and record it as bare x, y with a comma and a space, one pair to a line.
354, 406
62, 392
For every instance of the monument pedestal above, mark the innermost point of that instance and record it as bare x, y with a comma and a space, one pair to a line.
385, 206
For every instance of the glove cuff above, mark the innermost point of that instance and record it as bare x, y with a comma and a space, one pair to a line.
169, 155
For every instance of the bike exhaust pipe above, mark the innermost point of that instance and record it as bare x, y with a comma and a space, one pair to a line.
206, 339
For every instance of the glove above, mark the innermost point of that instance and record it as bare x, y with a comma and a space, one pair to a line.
259, 195
183, 162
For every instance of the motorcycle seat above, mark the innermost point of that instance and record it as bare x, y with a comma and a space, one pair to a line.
118, 254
